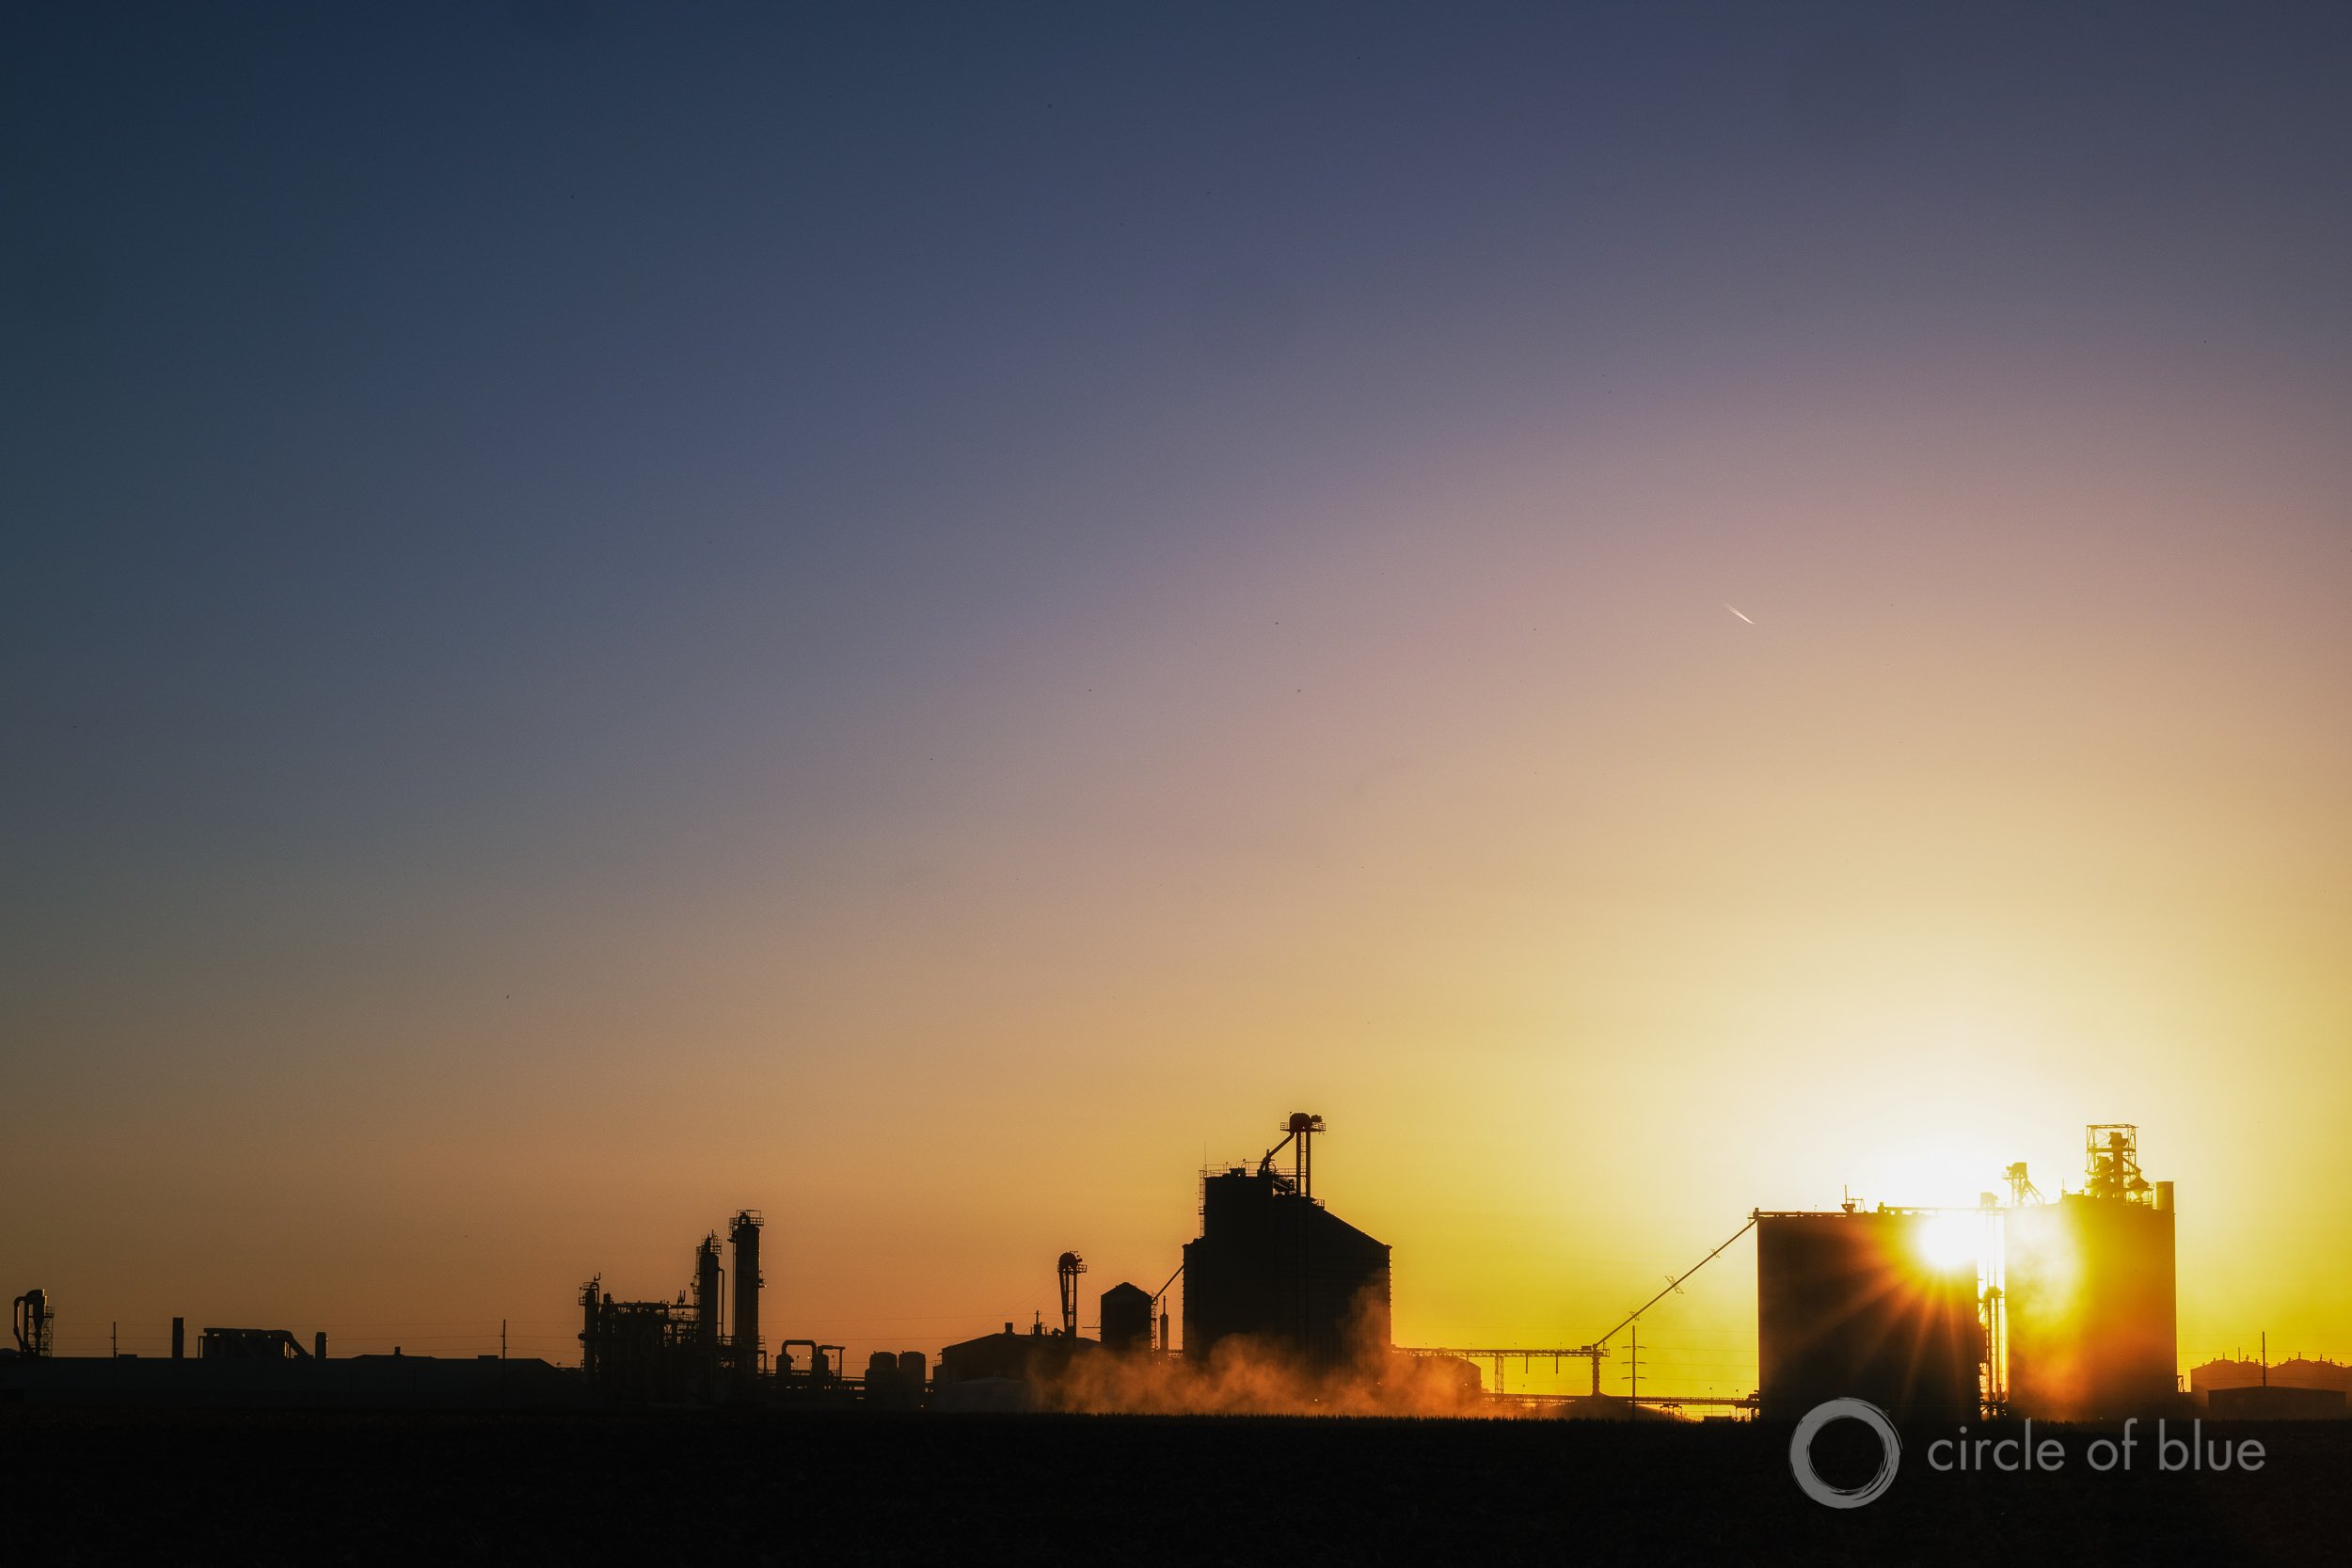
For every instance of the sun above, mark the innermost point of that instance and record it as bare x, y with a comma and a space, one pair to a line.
1951, 1241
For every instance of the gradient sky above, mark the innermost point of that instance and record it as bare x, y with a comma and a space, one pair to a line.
925, 617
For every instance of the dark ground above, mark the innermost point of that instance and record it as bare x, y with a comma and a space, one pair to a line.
89, 1486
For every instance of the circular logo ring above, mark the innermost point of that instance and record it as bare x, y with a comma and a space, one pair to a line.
1801, 1452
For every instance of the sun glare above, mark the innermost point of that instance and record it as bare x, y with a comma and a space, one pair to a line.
1950, 1243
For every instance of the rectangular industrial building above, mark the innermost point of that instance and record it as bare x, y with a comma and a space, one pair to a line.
1858, 1305
1275, 1265
2093, 1323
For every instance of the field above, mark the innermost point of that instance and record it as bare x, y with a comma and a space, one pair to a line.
84, 1486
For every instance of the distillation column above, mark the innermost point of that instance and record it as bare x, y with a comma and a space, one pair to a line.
744, 1348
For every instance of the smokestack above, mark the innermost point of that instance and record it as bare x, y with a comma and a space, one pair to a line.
318, 1344
179, 1339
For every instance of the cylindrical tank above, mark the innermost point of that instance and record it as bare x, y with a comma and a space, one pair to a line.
1867, 1306
707, 1303
744, 1233
1126, 1318
2090, 1302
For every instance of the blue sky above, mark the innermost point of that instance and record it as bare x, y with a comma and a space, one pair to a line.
881, 546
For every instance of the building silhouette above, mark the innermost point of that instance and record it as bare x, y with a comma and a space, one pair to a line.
1273, 1266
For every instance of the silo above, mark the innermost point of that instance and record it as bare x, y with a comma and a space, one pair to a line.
1126, 1318
1861, 1304
2089, 1298
1276, 1266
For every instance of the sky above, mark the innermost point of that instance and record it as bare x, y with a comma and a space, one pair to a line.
927, 618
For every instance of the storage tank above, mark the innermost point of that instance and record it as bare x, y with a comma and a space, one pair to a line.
2302, 1373
1126, 1318
2091, 1308
2226, 1373
2092, 1325
1873, 1305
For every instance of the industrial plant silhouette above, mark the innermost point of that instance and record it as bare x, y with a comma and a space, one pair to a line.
2059, 1308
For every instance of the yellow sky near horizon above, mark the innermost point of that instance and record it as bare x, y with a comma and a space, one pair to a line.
1590, 916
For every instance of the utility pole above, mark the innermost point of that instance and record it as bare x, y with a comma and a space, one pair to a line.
501, 1338
114, 1339
1633, 1368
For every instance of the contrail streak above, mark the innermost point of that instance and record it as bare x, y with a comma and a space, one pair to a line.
1737, 612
